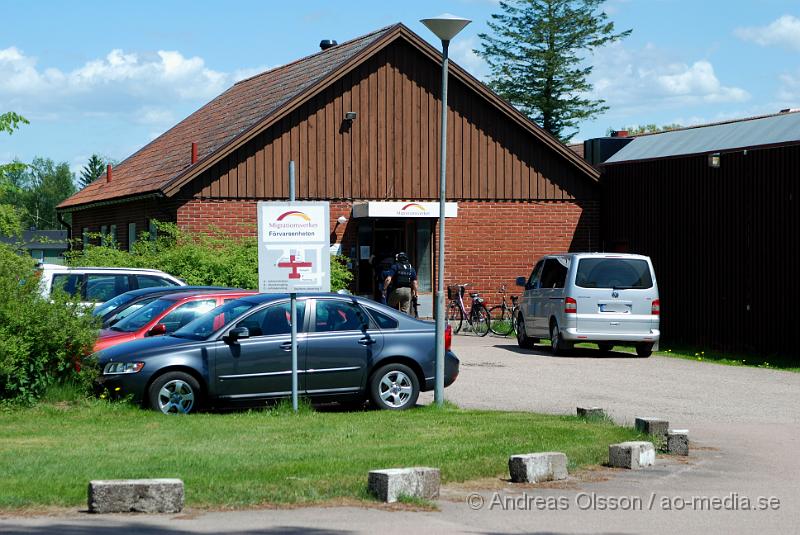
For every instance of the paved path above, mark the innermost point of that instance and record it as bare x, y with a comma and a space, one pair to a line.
744, 425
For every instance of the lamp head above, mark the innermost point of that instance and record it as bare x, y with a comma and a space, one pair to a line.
445, 26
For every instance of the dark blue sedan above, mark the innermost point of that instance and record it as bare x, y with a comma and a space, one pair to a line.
349, 349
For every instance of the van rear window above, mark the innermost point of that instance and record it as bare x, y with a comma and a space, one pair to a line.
618, 273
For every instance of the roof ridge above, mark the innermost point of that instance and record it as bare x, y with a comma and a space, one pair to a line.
309, 56
790, 111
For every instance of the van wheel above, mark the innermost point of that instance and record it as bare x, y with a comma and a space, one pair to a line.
523, 340
557, 343
644, 350
605, 348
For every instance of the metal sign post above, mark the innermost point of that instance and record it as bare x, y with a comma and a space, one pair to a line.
293, 307
293, 255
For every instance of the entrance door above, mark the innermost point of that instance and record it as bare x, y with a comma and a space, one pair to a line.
384, 238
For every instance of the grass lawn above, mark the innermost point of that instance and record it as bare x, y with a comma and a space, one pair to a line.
48, 453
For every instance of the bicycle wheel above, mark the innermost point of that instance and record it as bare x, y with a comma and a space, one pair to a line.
480, 321
502, 323
454, 317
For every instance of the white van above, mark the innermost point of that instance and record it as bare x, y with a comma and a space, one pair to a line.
99, 284
605, 298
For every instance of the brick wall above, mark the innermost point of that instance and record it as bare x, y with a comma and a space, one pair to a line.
138, 212
493, 243
238, 218
488, 244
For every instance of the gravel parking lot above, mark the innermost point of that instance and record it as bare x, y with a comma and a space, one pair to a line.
744, 424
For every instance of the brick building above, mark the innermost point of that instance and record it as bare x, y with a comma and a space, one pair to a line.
360, 120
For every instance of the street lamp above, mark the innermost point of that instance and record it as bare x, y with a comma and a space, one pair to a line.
445, 27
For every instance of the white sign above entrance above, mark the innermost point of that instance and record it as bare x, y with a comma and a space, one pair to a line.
402, 209
293, 247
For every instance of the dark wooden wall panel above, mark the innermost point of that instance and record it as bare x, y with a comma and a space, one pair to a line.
724, 243
391, 150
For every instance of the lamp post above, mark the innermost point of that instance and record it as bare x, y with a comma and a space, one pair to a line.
445, 27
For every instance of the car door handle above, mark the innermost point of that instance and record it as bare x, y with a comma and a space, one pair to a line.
367, 341
286, 346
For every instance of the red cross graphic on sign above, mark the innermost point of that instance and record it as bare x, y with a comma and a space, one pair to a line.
293, 265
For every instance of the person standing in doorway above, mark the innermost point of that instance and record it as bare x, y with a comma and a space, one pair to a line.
401, 283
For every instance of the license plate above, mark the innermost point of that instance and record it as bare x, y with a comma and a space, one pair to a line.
619, 309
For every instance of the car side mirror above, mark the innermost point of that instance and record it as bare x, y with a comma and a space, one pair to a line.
522, 281
158, 330
237, 333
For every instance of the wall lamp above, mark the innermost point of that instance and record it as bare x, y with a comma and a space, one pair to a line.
350, 116
713, 160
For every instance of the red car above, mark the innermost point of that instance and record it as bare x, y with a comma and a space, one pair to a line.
165, 315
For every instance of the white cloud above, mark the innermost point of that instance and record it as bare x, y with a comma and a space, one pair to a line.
141, 87
783, 31
789, 90
463, 53
635, 80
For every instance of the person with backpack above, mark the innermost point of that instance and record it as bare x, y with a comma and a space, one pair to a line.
401, 283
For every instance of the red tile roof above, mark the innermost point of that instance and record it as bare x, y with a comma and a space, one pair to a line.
162, 166
219, 122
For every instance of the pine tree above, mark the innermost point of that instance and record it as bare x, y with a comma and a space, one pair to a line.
91, 171
537, 55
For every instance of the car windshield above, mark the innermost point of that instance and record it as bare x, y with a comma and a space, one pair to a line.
130, 309
202, 327
104, 308
616, 273
143, 316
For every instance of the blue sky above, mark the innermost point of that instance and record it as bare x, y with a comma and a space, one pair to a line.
108, 77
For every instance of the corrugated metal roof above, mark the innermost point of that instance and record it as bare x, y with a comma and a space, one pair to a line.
771, 130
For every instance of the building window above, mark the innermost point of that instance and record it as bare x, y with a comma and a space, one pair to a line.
103, 233
112, 235
131, 235
85, 236
152, 229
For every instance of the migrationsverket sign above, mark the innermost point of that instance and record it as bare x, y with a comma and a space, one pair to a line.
293, 247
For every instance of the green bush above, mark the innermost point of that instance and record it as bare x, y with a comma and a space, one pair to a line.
41, 340
215, 258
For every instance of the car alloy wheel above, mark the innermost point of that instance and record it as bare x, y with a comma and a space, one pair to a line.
176, 397
175, 393
394, 387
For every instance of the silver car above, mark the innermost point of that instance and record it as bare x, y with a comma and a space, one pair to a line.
604, 298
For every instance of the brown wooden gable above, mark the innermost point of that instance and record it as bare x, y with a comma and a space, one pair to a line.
391, 150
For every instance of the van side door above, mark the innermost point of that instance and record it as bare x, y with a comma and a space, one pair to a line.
528, 296
550, 297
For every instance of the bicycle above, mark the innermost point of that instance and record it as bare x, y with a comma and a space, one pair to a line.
478, 316
503, 316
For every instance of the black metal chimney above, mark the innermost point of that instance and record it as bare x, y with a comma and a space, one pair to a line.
325, 44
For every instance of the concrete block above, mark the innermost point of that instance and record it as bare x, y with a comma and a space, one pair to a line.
678, 441
136, 495
416, 482
653, 426
591, 412
537, 467
631, 455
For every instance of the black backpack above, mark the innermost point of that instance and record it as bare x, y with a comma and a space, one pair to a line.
403, 275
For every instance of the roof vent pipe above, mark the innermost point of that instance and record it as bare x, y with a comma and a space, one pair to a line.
108, 173
325, 44
194, 152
